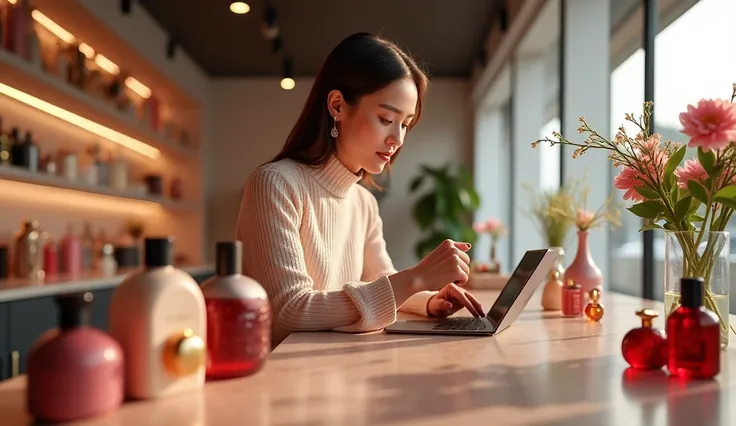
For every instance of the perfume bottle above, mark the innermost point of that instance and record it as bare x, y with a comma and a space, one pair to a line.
594, 309
28, 260
572, 299
164, 345
238, 318
645, 347
108, 264
693, 335
74, 354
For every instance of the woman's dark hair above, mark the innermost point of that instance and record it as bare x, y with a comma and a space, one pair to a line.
360, 65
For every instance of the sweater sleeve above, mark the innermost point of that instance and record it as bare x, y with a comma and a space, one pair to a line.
268, 226
377, 262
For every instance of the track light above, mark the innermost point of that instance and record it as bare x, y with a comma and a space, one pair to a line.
287, 82
277, 44
269, 29
171, 48
126, 6
503, 14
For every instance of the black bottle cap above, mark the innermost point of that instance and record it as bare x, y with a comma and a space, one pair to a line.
691, 291
159, 252
74, 309
229, 257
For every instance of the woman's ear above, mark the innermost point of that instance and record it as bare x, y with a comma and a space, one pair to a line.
335, 104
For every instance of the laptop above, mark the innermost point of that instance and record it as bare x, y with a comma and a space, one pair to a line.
528, 275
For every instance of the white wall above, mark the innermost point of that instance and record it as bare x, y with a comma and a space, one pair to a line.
251, 119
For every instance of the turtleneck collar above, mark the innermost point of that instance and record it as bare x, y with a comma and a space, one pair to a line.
335, 177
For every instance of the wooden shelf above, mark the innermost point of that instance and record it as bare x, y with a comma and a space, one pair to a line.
28, 78
18, 174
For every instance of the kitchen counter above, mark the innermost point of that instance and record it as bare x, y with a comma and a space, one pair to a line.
543, 370
18, 289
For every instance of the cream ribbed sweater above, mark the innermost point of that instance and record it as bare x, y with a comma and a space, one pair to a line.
313, 238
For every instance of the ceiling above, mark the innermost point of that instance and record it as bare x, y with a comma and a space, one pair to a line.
446, 36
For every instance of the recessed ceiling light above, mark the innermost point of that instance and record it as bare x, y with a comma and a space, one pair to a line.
239, 7
287, 83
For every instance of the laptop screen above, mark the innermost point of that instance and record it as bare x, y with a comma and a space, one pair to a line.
515, 285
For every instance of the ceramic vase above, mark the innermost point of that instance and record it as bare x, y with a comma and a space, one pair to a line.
552, 292
583, 269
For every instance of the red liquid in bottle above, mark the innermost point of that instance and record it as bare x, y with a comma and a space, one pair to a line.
693, 335
572, 300
238, 336
645, 347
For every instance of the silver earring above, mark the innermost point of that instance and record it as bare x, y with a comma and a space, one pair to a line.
333, 131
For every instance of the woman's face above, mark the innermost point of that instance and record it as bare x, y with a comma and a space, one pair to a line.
371, 131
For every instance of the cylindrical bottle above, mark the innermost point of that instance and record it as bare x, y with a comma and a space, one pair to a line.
165, 345
108, 264
693, 335
71, 253
238, 318
572, 300
51, 259
75, 371
28, 255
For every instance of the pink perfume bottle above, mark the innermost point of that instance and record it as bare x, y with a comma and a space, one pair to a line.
238, 318
75, 371
71, 253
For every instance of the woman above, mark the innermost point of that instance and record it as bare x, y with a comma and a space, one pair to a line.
312, 236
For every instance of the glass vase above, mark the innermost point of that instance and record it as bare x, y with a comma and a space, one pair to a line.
700, 255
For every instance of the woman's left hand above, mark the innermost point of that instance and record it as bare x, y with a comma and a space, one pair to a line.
451, 299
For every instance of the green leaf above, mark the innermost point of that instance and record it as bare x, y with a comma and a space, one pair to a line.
650, 227
669, 181
696, 218
647, 192
694, 206
727, 192
708, 160
425, 210
682, 207
674, 161
698, 191
647, 209
727, 202
416, 183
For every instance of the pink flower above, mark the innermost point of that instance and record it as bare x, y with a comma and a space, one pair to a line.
711, 124
691, 170
627, 180
480, 227
493, 225
584, 218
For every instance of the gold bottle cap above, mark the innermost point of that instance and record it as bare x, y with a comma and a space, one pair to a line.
647, 315
184, 353
595, 295
571, 283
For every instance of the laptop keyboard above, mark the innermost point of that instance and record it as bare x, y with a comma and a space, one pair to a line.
465, 323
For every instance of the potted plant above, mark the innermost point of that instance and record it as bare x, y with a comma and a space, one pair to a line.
444, 207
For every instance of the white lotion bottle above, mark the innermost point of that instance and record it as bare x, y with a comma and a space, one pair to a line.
158, 316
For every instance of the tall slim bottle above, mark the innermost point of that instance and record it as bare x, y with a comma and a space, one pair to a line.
158, 315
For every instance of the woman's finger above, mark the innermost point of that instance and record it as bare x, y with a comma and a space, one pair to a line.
476, 304
463, 256
459, 295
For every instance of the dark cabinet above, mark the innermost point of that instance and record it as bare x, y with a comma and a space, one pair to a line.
4, 350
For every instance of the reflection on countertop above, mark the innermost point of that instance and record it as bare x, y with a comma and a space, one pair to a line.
17, 289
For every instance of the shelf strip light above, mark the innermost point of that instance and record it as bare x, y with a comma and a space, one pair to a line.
81, 122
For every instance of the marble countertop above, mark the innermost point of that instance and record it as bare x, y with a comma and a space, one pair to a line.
543, 370
18, 289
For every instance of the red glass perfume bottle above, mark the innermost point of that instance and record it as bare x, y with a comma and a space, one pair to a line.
594, 309
238, 318
645, 347
572, 299
693, 335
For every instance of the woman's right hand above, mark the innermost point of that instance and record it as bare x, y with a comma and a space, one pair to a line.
447, 264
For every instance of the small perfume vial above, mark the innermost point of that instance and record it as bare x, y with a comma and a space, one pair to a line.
693, 335
572, 299
645, 347
594, 309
